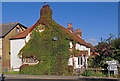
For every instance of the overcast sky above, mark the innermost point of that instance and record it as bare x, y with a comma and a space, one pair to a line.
95, 19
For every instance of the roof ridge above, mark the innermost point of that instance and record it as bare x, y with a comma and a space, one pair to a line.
8, 23
75, 36
25, 32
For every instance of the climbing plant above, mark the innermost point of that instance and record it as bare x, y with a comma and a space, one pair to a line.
51, 54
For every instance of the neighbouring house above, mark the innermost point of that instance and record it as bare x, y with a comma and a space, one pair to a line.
7, 30
17, 43
79, 50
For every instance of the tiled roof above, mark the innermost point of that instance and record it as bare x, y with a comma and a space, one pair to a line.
81, 41
5, 28
23, 34
27, 31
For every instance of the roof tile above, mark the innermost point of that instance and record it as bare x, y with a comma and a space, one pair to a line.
7, 27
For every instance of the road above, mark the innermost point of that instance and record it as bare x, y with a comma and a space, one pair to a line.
54, 78
81, 79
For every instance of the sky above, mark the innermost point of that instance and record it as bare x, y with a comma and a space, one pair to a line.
95, 19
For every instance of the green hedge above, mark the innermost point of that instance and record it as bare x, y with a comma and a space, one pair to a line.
91, 73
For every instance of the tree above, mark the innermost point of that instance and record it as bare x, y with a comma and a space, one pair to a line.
108, 50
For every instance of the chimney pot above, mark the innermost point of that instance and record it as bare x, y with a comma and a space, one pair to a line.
68, 25
70, 28
78, 32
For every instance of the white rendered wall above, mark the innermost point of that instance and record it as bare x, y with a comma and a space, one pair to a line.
88, 51
16, 46
71, 45
77, 47
28, 37
84, 59
82, 48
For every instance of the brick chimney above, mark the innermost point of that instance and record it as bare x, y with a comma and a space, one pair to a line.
70, 28
78, 32
46, 12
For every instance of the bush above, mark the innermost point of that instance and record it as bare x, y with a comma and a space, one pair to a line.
12, 72
91, 73
99, 74
87, 73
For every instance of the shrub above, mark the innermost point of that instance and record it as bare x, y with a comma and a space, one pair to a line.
12, 72
91, 73
87, 73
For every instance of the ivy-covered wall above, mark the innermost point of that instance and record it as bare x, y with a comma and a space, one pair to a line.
52, 54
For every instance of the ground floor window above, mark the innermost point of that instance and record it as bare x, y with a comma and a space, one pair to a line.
80, 60
31, 59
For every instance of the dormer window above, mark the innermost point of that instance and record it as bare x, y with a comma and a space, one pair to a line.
17, 30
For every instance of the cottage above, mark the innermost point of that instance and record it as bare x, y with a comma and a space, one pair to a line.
7, 30
78, 60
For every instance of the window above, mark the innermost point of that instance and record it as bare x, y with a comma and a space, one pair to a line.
79, 60
17, 30
70, 62
30, 60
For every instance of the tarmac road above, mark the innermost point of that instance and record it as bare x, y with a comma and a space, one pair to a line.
80, 79
53, 78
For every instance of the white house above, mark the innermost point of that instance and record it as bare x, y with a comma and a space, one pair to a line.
16, 44
78, 61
